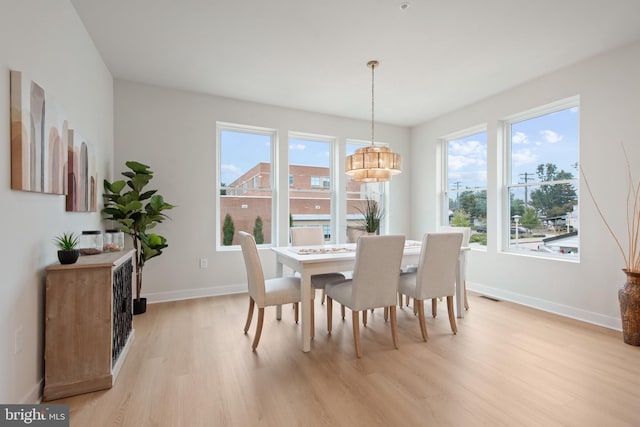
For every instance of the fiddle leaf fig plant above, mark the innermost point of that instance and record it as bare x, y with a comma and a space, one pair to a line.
137, 211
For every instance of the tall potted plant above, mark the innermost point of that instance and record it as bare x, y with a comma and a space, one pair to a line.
137, 211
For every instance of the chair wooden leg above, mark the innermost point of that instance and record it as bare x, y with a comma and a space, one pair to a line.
394, 325
400, 299
386, 314
295, 307
324, 293
256, 339
434, 307
313, 321
407, 300
329, 314
342, 311
452, 317
364, 318
466, 300
356, 333
423, 324
249, 315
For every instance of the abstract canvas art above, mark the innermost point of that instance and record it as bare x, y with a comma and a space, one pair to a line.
39, 139
82, 175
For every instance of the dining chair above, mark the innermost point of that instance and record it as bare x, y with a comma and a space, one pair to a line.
374, 282
314, 236
466, 237
435, 276
265, 293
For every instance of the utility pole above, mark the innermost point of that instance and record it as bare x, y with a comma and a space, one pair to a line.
526, 176
457, 184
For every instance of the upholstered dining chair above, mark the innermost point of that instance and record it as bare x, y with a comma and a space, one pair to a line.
435, 276
265, 293
314, 236
374, 282
466, 237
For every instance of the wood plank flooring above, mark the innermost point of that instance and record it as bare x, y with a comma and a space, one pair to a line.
191, 365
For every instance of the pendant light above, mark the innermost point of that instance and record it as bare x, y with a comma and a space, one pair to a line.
374, 163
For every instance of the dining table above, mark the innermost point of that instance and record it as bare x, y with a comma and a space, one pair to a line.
331, 258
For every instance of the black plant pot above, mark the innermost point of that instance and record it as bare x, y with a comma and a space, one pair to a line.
139, 306
68, 256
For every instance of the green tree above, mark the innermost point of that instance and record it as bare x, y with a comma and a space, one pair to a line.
517, 206
530, 218
257, 231
554, 199
228, 230
460, 219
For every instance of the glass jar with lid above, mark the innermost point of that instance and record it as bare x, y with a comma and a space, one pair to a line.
113, 240
90, 242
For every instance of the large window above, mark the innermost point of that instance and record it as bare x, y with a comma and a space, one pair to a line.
466, 183
541, 210
245, 196
310, 192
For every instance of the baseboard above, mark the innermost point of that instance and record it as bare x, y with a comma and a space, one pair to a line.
549, 306
34, 396
183, 294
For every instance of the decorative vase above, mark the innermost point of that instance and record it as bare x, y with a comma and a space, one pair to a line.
68, 256
139, 306
629, 297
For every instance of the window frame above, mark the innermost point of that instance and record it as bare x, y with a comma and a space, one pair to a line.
445, 191
273, 152
332, 142
505, 205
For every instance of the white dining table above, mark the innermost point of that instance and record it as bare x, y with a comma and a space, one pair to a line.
310, 260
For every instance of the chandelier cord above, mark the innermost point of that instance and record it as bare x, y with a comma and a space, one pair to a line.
373, 67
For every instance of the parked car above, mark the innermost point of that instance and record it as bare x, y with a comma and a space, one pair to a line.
481, 229
521, 230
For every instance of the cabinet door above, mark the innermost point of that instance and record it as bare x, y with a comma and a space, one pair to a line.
78, 326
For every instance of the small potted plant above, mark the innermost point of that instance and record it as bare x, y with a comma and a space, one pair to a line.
371, 216
67, 248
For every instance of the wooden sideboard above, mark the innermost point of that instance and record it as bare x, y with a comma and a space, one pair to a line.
88, 323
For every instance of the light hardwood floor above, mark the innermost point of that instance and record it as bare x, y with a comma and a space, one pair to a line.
191, 365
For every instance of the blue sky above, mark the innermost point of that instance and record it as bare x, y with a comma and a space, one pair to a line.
241, 151
551, 138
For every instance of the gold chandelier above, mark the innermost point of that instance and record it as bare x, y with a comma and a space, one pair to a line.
373, 163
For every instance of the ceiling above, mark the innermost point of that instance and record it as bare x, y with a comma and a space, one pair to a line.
435, 57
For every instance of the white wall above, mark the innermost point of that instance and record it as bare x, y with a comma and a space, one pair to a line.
47, 41
174, 132
609, 114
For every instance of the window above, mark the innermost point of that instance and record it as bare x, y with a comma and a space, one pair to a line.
310, 202
541, 214
245, 154
291, 181
358, 193
465, 192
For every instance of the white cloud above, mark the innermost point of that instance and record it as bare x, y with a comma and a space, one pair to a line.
468, 148
297, 147
459, 162
519, 138
523, 157
550, 136
231, 170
